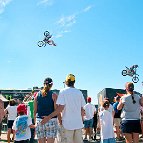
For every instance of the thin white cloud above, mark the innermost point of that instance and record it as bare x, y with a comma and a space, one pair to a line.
87, 8
66, 31
65, 23
3, 4
61, 33
46, 2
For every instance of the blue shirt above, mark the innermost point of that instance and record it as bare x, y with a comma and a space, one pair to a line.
45, 104
117, 112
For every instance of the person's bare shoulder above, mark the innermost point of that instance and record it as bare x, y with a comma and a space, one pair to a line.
54, 96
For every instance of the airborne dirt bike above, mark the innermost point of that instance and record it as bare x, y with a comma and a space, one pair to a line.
132, 73
46, 40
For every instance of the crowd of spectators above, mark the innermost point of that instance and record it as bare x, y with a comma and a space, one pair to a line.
68, 118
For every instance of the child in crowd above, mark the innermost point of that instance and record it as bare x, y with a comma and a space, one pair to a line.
22, 125
90, 110
117, 119
106, 124
11, 110
1, 115
110, 109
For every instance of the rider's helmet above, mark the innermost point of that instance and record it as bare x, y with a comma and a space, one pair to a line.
135, 66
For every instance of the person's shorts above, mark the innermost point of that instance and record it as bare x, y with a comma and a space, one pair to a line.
73, 136
130, 126
88, 123
48, 130
22, 141
10, 124
110, 140
117, 121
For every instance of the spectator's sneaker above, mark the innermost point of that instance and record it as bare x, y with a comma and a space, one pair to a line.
12, 139
140, 139
93, 138
117, 139
120, 139
90, 140
98, 140
85, 139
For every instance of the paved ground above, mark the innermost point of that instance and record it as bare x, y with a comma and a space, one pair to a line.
4, 139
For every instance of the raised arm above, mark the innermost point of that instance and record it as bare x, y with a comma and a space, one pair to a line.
120, 105
35, 108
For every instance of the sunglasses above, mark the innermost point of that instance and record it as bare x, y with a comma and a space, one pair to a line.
46, 83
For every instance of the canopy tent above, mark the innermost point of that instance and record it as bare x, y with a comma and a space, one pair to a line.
3, 101
3, 98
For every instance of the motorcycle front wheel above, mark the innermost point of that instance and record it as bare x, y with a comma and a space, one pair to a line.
124, 72
40, 43
46, 33
135, 79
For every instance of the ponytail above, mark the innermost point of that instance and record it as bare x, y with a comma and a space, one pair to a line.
134, 101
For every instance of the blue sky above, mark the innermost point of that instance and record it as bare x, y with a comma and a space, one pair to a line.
95, 40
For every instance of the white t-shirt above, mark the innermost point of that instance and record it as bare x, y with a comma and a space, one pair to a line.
106, 124
89, 111
21, 126
12, 112
73, 100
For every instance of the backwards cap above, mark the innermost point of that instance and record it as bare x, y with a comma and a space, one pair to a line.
48, 80
21, 108
70, 77
105, 103
88, 99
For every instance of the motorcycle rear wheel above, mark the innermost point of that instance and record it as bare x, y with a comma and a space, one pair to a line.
135, 79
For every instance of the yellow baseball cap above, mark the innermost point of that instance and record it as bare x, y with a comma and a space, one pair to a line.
70, 77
